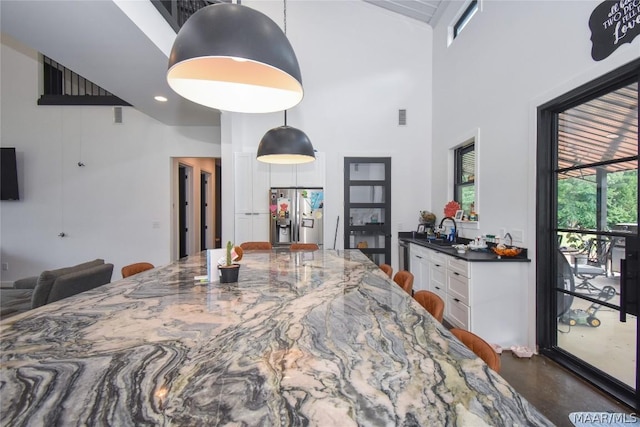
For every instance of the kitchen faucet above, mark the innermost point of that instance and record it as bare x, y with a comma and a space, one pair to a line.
455, 227
510, 239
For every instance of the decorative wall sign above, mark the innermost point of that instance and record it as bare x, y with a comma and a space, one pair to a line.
612, 23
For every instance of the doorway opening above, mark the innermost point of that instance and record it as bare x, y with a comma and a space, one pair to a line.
587, 226
196, 219
184, 204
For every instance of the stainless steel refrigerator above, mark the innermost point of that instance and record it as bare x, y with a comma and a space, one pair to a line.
296, 215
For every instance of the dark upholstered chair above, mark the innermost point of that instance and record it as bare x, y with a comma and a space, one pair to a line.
479, 346
138, 267
404, 279
387, 269
304, 247
431, 302
30, 282
53, 285
256, 246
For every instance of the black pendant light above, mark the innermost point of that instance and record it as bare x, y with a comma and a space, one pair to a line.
234, 58
285, 144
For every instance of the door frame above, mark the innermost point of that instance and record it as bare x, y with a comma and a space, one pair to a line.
197, 165
386, 205
546, 218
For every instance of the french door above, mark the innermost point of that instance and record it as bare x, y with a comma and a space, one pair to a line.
588, 239
367, 206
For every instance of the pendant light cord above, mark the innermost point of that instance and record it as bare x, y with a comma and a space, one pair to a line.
284, 14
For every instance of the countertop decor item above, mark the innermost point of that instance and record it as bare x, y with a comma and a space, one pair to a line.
507, 251
228, 268
235, 58
427, 217
460, 248
451, 208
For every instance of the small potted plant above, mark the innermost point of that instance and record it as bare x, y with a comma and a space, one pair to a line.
229, 269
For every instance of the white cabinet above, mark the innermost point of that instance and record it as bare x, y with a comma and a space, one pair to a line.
486, 298
419, 267
283, 175
252, 227
458, 300
251, 198
438, 276
303, 175
251, 184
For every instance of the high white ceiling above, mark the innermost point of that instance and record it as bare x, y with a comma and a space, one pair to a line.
427, 11
100, 41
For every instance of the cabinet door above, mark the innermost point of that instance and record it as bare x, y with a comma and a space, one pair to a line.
260, 193
283, 175
438, 280
459, 313
251, 227
244, 228
243, 183
311, 174
419, 267
260, 227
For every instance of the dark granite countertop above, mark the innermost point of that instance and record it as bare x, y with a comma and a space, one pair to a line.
483, 255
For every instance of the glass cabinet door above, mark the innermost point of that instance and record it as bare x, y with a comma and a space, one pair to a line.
367, 205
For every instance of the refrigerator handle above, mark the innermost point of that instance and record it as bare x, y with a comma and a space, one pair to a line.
295, 226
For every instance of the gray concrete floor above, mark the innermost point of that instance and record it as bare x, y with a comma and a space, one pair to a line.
554, 390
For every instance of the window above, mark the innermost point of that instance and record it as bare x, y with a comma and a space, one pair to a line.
465, 17
464, 185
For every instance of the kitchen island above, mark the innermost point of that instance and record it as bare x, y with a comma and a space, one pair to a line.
304, 338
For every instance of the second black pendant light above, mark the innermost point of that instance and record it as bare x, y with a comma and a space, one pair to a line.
285, 144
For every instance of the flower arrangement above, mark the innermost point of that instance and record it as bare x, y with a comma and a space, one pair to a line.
451, 208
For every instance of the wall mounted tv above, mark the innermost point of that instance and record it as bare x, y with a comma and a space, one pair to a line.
8, 174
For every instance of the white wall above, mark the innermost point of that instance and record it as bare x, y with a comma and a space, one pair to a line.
110, 207
359, 64
511, 57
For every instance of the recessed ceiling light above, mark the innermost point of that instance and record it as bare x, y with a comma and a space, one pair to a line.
612, 135
160, 98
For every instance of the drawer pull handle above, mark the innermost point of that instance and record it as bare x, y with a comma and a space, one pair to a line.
457, 274
437, 265
418, 256
456, 300
437, 287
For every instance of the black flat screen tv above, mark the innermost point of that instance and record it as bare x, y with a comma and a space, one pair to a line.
8, 174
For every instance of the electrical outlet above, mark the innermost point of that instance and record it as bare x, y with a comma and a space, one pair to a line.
5, 266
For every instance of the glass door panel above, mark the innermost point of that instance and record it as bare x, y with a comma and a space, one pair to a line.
368, 207
596, 211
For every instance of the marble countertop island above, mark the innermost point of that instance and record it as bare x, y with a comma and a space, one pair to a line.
304, 338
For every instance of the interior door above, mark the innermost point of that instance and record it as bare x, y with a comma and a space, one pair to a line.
367, 206
588, 220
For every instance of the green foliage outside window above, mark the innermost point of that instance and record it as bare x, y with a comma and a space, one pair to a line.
577, 201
